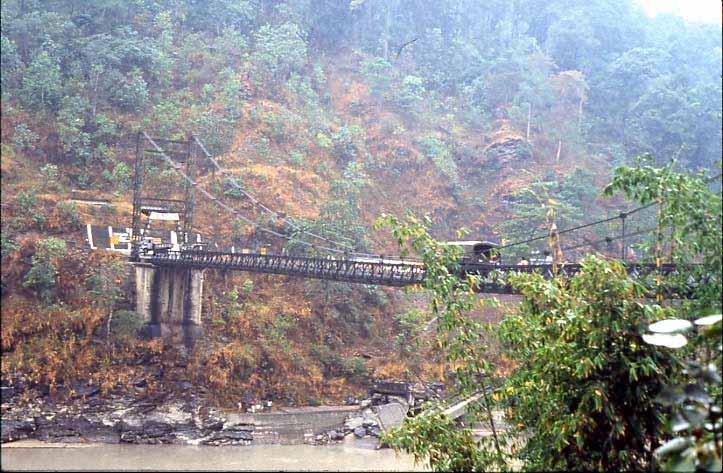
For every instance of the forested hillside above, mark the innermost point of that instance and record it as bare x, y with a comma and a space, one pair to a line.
479, 114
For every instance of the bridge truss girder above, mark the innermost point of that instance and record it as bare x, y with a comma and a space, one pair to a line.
494, 278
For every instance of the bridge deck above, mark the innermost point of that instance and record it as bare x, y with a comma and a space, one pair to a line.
365, 270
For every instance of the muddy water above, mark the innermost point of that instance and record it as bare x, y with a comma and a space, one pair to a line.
352, 455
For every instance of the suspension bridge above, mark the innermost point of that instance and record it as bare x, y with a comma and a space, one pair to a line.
169, 282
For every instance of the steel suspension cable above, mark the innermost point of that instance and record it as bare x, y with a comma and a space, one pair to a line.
622, 215
256, 202
227, 207
609, 239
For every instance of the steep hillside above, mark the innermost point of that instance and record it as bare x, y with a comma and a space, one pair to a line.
473, 123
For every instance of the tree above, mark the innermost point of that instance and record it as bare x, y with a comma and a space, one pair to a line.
278, 51
431, 436
584, 387
537, 206
695, 401
41, 83
44, 267
378, 74
105, 285
9, 61
584, 393
690, 218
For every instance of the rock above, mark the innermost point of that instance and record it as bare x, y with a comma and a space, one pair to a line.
241, 428
213, 425
365, 403
369, 422
237, 434
360, 432
374, 431
392, 414
6, 393
11, 430
229, 436
353, 422
156, 429
335, 435
85, 390
351, 401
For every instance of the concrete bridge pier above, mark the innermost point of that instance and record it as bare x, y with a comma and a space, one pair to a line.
192, 329
170, 301
144, 279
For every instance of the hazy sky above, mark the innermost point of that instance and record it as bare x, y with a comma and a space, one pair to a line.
704, 11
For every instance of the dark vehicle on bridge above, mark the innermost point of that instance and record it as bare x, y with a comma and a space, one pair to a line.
194, 247
148, 247
478, 251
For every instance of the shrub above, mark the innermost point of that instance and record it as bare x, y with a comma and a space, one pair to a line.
377, 73
131, 93
120, 176
232, 191
50, 172
51, 178
440, 155
68, 214
296, 158
24, 138
356, 371
412, 91
126, 323
43, 271
345, 142
7, 245
29, 208
323, 140
279, 50
585, 386
409, 328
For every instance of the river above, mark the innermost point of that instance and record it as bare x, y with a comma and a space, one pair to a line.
351, 455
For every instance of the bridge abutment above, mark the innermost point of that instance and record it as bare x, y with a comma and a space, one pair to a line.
170, 301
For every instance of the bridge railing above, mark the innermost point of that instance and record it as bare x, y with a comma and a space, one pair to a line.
368, 271
494, 278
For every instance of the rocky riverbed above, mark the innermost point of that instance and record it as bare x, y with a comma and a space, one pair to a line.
86, 416
183, 417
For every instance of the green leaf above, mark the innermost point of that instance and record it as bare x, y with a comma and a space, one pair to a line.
709, 320
695, 392
677, 444
670, 326
665, 340
713, 463
678, 423
683, 462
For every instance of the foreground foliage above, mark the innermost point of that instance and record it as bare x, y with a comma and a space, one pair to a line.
583, 391
695, 400
591, 389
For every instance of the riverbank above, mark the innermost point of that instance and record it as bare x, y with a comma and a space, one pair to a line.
171, 418
350, 455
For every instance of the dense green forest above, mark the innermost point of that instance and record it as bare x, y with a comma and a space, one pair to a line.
453, 84
503, 117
